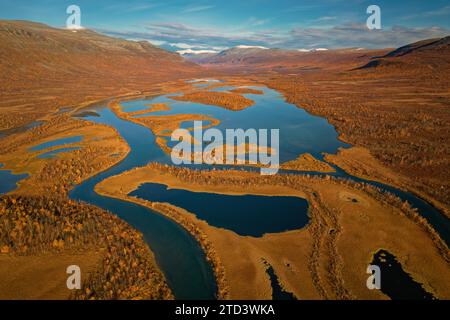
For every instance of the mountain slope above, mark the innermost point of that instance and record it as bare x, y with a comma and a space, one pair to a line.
422, 56
285, 61
33, 47
421, 46
45, 68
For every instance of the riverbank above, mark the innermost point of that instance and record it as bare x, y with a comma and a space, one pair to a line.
340, 213
100, 147
359, 162
402, 118
115, 262
306, 162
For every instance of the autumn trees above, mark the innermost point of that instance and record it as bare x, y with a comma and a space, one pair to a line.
34, 225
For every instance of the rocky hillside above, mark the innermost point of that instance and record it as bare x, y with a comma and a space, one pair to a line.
44, 68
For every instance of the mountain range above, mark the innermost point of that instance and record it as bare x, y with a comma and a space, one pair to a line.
60, 67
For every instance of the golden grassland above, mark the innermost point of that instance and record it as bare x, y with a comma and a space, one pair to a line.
43, 276
319, 261
152, 107
247, 91
36, 228
306, 162
227, 100
358, 161
100, 148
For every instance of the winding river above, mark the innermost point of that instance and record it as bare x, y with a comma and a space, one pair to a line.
177, 253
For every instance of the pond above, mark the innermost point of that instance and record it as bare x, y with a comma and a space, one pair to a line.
247, 215
395, 282
278, 293
9, 180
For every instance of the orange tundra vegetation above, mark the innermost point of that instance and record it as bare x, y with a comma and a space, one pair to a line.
37, 225
62, 69
395, 103
227, 100
397, 106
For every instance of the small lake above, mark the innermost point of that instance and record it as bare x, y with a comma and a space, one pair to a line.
247, 215
56, 142
395, 282
9, 180
278, 292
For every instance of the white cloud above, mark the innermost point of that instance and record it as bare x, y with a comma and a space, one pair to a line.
185, 45
341, 36
220, 48
357, 35
74, 27
197, 9
254, 22
156, 42
312, 50
191, 51
242, 46
152, 41
326, 18
440, 12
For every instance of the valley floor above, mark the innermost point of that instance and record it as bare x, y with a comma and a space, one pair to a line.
320, 261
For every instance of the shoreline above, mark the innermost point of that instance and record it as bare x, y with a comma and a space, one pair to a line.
382, 174
217, 234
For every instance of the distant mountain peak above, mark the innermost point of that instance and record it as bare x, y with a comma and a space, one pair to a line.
196, 52
312, 50
242, 46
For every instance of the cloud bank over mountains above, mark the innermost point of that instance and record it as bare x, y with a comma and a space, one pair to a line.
188, 39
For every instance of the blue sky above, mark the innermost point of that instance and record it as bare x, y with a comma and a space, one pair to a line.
216, 25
